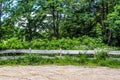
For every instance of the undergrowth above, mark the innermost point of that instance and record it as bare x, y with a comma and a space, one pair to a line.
101, 59
82, 43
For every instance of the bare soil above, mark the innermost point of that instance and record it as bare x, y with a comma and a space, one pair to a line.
58, 73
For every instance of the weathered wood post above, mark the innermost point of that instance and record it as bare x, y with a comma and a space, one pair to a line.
60, 52
14, 53
30, 50
95, 52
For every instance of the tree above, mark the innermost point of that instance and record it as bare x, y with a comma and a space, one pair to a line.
79, 18
113, 29
28, 18
0, 17
3, 12
54, 10
34, 19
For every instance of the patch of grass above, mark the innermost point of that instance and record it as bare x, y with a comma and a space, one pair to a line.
102, 59
101, 56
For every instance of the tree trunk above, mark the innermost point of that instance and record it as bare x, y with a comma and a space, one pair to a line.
55, 25
109, 36
29, 26
102, 16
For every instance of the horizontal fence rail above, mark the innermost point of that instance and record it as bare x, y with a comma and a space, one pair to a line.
58, 51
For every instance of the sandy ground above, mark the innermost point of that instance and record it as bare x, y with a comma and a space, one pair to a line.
58, 73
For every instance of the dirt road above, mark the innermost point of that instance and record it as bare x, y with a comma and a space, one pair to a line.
58, 73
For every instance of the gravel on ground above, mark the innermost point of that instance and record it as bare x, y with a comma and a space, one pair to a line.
53, 72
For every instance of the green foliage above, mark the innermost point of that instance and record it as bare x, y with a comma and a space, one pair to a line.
80, 59
82, 43
38, 44
112, 63
12, 43
29, 20
101, 56
113, 29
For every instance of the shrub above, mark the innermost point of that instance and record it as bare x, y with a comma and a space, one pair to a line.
12, 43
101, 56
82, 43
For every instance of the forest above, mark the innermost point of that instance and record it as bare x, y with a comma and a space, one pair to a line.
55, 24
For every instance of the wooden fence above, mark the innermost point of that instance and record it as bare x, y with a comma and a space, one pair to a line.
58, 51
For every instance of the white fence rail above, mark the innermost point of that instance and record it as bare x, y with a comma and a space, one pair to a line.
58, 51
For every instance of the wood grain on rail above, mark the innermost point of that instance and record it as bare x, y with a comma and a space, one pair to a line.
57, 51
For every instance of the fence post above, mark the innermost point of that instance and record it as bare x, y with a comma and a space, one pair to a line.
95, 52
60, 52
30, 49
